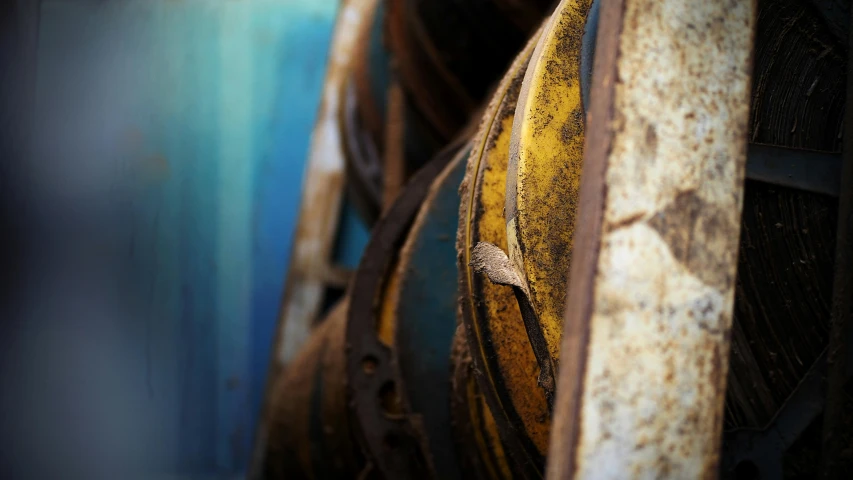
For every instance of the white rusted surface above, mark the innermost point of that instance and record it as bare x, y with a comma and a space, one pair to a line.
663, 287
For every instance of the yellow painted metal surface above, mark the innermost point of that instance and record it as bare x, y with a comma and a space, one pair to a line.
486, 431
478, 443
490, 312
546, 154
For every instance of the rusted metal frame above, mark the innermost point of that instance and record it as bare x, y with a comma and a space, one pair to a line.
395, 449
840, 354
764, 448
322, 195
677, 433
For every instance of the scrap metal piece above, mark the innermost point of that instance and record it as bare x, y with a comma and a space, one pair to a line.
646, 334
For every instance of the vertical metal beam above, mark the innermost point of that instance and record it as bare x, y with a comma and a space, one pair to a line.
647, 327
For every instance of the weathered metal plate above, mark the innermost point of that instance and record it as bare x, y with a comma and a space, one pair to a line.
425, 304
647, 328
505, 366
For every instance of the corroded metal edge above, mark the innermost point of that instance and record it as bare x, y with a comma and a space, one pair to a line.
649, 333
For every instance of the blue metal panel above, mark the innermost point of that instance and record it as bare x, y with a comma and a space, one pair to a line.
182, 130
426, 313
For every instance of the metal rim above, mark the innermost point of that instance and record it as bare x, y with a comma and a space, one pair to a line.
390, 441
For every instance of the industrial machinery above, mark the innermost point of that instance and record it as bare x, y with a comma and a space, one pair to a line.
611, 239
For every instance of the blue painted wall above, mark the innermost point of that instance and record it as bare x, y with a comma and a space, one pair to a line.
170, 142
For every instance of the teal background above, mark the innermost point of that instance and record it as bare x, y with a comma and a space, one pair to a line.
170, 139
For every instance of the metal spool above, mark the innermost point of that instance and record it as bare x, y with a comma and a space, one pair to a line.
397, 447
450, 52
310, 430
778, 332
